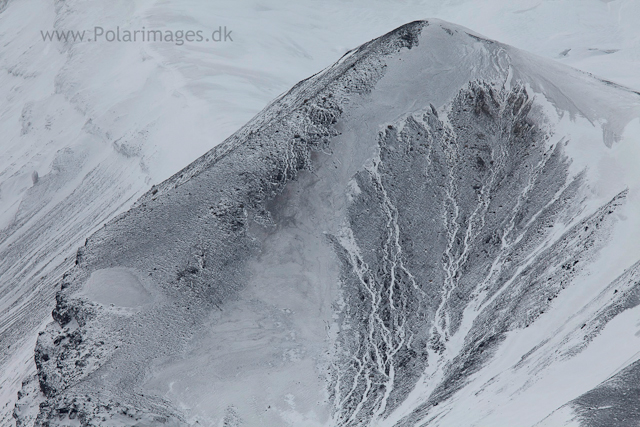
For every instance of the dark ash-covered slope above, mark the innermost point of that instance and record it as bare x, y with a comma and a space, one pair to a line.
396, 240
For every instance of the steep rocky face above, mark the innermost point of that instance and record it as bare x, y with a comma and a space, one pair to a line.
408, 234
454, 214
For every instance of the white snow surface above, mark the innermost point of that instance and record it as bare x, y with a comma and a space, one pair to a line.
116, 287
87, 128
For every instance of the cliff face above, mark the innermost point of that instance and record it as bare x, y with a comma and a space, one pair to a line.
428, 232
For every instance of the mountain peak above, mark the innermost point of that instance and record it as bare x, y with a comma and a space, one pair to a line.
421, 228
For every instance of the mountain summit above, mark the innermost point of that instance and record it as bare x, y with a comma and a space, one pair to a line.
437, 230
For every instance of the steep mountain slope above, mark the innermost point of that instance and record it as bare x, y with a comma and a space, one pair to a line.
438, 230
80, 144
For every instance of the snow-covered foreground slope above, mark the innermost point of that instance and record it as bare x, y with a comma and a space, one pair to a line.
437, 230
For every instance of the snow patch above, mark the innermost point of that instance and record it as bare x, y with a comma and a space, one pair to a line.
119, 287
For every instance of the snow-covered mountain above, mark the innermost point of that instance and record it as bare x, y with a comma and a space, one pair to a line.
437, 230
87, 128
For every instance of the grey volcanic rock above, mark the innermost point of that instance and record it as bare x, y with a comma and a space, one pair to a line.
412, 232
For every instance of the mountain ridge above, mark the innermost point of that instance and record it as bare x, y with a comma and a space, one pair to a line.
351, 187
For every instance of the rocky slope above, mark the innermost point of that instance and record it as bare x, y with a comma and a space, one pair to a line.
437, 230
